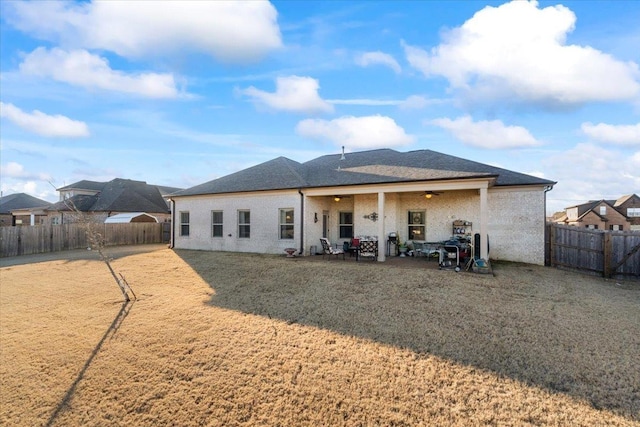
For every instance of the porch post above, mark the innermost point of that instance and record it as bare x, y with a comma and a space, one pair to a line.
382, 241
484, 223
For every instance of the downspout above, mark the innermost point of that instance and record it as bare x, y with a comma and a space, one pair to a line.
301, 221
173, 222
547, 250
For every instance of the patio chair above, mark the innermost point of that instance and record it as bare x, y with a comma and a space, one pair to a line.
368, 249
327, 249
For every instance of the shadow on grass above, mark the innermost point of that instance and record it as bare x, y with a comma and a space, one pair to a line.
113, 328
537, 325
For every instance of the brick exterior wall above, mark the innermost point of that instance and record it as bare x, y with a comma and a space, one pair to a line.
264, 208
515, 226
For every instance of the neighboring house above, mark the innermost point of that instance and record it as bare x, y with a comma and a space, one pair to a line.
615, 215
630, 207
101, 200
419, 194
17, 202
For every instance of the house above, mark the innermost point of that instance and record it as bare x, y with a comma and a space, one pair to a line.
622, 214
420, 195
17, 202
101, 200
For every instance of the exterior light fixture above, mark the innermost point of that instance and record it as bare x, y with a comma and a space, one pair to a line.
336, 198
428, 195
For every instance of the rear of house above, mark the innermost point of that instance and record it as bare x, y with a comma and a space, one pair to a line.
419, 195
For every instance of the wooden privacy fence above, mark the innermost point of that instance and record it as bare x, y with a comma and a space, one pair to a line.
608, 253
25, 240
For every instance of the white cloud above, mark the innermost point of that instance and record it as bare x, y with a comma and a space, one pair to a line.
491, 134
378, 58
43, 124
518, 50
231, 31
589, 172
293, 93
616, 134
366, 102
356, 132
81, 68
414, 102
16, 171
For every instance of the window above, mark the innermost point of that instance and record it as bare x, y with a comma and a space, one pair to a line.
346, 225
591, 226
286, 223
633, 212
615, 227
244, 224
184, 223
55, 220
603, 210
416, 225
216, 223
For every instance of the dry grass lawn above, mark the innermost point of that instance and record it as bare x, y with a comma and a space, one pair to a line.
220, 339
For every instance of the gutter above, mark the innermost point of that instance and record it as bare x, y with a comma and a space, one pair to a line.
301, 221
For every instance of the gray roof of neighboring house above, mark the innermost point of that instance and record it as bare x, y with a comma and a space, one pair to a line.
365, 167
98, 186
122, 195
83, 185
20, 201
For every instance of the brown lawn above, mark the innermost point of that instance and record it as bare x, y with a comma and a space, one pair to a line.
226, 339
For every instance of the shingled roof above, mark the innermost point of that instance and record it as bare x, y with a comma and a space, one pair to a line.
121, 195
365, 167
20, 201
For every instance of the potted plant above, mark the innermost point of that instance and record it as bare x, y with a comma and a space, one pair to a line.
402, 246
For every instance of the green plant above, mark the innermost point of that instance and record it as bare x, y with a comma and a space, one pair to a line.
401, 244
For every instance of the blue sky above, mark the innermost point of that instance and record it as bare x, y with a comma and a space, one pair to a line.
179, 93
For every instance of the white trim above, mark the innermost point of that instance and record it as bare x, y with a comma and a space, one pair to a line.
463, 184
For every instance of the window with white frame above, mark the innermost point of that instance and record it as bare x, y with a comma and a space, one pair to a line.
591, 226
216, 223
244, 224
603, 210
615, 227
286, 223
346, 225
416, 229
633, 212
184, 223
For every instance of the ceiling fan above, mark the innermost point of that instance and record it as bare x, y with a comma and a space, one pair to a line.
430, 194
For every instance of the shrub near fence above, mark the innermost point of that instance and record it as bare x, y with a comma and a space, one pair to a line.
25, 240
607, 253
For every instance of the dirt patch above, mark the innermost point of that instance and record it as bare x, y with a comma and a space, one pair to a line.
237, 339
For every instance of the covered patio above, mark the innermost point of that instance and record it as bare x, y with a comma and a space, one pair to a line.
417, 211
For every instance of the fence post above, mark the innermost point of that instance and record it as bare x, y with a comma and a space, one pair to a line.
20, 240
606, 259
552, 248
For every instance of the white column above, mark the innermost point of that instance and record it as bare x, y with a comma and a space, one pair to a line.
33, 219
382, 239
484, 223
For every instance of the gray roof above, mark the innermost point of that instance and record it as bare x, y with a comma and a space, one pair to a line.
83, 185
122, 195
20, 201
99, 186
365, 167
